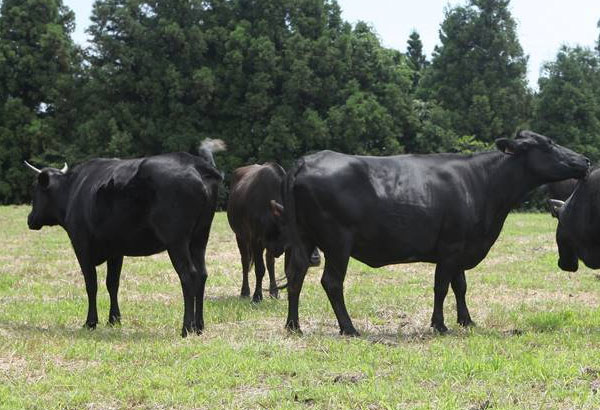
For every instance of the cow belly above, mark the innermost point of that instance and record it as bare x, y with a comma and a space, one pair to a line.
142, 243
388, 247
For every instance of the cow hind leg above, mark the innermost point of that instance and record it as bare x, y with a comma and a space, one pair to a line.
198, 250
113, 275
259, 271
270, 259
333, 283
246, 261
459, 287
181, 259
296, 265
442, 282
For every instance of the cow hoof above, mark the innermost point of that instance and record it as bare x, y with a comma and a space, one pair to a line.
466, 322
349, 332
293, 328
257, 298
90, 325
114, 321
439, 328
274, 294
245, 293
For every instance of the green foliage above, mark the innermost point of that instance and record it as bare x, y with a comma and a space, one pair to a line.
568, 104
478, 73
274, 79
417, 61
37, 70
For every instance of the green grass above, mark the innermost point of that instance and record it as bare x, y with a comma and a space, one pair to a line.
536, 344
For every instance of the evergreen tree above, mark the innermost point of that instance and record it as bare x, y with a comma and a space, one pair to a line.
568, 103
417, 61
478, 74
38, 63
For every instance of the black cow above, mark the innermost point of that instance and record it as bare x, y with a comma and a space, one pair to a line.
560, 190
446, 209
248, 211
112, 208
578, 231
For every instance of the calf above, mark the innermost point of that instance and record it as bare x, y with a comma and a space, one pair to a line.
248, 211
446, 209
112, 208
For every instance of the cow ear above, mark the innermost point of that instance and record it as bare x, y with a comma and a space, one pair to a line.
43, 180
276, 209
556, 207
507, 145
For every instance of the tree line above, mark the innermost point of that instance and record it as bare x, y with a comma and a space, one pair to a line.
275, 79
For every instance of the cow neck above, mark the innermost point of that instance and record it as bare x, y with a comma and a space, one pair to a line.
508, 181
64, 197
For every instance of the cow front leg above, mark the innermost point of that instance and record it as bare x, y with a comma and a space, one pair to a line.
91, 288
440, 289
459, 287
270, 259
259, 271
88, 269
181, 259
333, 283
113, 275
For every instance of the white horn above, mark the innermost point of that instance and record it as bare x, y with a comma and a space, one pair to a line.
556, 207
65, 168
32, 167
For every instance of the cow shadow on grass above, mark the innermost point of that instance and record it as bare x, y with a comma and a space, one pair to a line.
101, 333
425, 335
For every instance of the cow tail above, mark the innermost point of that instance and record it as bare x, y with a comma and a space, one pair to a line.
298, 258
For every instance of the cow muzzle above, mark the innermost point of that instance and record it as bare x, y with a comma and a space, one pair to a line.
33, 225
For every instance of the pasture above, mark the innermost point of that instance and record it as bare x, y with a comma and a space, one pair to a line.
537, 343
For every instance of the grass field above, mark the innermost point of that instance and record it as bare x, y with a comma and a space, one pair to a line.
537, 343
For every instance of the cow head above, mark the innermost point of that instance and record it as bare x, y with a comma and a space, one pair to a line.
567, 255
568, 259
276, 238
48, 197
547, 160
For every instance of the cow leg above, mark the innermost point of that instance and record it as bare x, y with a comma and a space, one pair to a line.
459, 287
91, 285
259, 271
333, 283
113, 275
442, 281
198, 251
270, 259
245, 254
181, 259
91, 288
296, 268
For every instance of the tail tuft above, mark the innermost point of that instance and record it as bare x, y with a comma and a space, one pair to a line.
212, 145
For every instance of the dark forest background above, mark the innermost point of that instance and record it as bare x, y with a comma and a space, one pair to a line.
275, 79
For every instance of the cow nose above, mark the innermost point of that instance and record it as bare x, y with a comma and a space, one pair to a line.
587, 161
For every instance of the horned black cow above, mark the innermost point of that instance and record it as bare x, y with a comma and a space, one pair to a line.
248, 211
112, 208
578, 230
446, 209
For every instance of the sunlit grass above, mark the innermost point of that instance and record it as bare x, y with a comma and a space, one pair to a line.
536, 344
